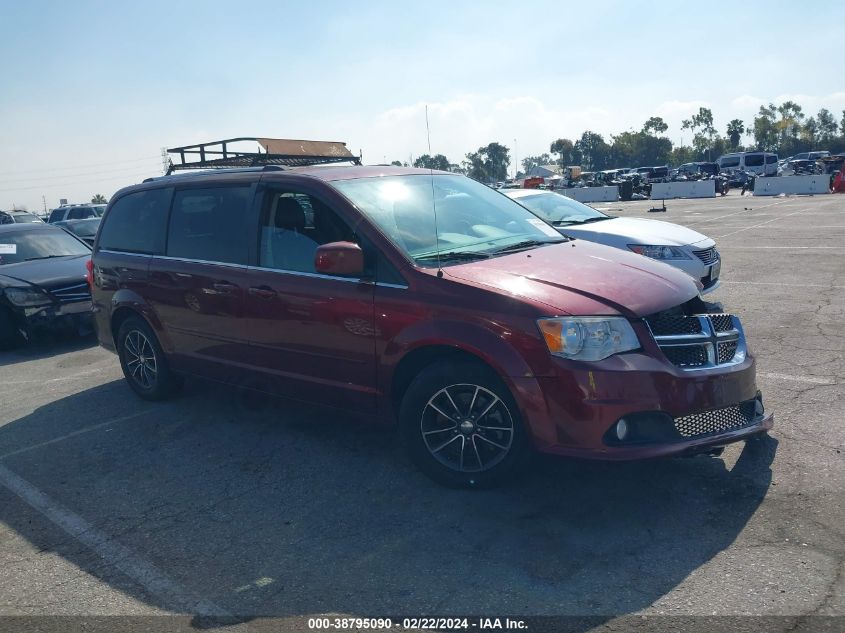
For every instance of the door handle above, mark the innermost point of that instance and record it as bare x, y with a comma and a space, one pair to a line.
223, 286
264, 292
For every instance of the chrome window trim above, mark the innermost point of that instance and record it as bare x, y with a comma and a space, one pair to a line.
201, 261
300, 273
111, 252
281, 271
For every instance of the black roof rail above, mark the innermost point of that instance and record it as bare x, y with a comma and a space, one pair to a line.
278, 154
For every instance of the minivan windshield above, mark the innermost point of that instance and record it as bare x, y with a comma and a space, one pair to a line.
472, 220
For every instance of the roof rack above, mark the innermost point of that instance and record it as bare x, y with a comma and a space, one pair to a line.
280, 152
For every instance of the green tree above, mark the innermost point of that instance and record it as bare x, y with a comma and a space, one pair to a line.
827, 126
810, 132
530, 162
489, 163
736, 128
99, 199
655, 125
563, 148
397, 163
765, 128
594, 151
703, 140
438, 161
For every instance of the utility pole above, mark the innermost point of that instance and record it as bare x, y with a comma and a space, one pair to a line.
515, 160
165, 162
44, 201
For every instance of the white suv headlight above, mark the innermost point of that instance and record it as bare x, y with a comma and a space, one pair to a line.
658, 252
588, 338
27, 297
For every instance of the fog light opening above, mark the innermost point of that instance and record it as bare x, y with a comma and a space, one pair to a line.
621, 430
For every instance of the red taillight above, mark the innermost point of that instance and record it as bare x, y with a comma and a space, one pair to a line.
89, 266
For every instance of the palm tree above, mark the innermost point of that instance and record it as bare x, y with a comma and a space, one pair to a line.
99, 199
736, 128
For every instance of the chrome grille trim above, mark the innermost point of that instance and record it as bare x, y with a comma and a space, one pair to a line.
69, 294
719, 343
708, 255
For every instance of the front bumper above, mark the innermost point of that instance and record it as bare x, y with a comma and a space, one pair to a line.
71, 317
574, 412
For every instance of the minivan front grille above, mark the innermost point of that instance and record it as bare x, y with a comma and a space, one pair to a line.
708, 255
698, 341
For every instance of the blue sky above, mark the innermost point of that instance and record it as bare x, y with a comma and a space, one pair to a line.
91, 91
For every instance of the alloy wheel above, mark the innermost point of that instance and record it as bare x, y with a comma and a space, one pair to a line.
140, 359
467, 428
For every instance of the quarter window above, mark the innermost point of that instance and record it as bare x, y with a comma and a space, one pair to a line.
210, 224
135, 223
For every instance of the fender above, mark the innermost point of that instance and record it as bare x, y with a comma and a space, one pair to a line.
127, 298
482, 340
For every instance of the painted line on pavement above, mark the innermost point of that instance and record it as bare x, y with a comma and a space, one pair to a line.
121, 558
810, 379
87, 429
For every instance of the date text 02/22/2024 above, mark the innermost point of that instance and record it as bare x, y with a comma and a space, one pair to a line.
428, 623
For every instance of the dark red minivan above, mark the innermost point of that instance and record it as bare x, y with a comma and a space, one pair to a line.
425, 299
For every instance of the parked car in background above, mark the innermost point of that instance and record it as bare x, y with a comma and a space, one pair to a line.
798, 167
678, 246
43, 284
758, 163
76, 212
85, 230
480, 329
12, 217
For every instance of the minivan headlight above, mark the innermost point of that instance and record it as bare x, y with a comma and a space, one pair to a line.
658, 252
588, 338
26, 297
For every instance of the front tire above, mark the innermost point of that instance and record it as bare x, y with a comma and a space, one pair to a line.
142, 360
460, 425
10, 333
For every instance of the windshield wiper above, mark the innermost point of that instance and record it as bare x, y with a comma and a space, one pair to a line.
584, 221
521, 246
454, 255
29, 259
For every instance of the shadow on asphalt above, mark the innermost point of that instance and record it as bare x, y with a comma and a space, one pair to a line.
45, 346
269, 508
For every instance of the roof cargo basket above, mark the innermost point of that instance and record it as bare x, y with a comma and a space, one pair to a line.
277, 151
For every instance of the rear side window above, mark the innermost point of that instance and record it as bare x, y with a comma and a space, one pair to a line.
80, 213
136, 223
753, 160
56, 215
771, 158
210, 224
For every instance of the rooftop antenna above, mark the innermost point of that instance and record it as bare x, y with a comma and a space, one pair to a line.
433, 201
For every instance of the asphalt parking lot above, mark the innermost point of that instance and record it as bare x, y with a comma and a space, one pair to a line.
216, 503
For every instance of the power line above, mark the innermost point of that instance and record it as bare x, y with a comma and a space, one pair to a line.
79, 182
111, 162
66, 176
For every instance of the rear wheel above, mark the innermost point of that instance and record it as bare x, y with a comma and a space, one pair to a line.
143, 361
461, 426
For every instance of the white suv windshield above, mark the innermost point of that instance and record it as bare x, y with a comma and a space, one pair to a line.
473, 221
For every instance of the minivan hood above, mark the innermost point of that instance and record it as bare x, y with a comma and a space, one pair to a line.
582, 278
637, 231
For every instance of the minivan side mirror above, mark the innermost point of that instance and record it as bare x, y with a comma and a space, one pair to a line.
340, 258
